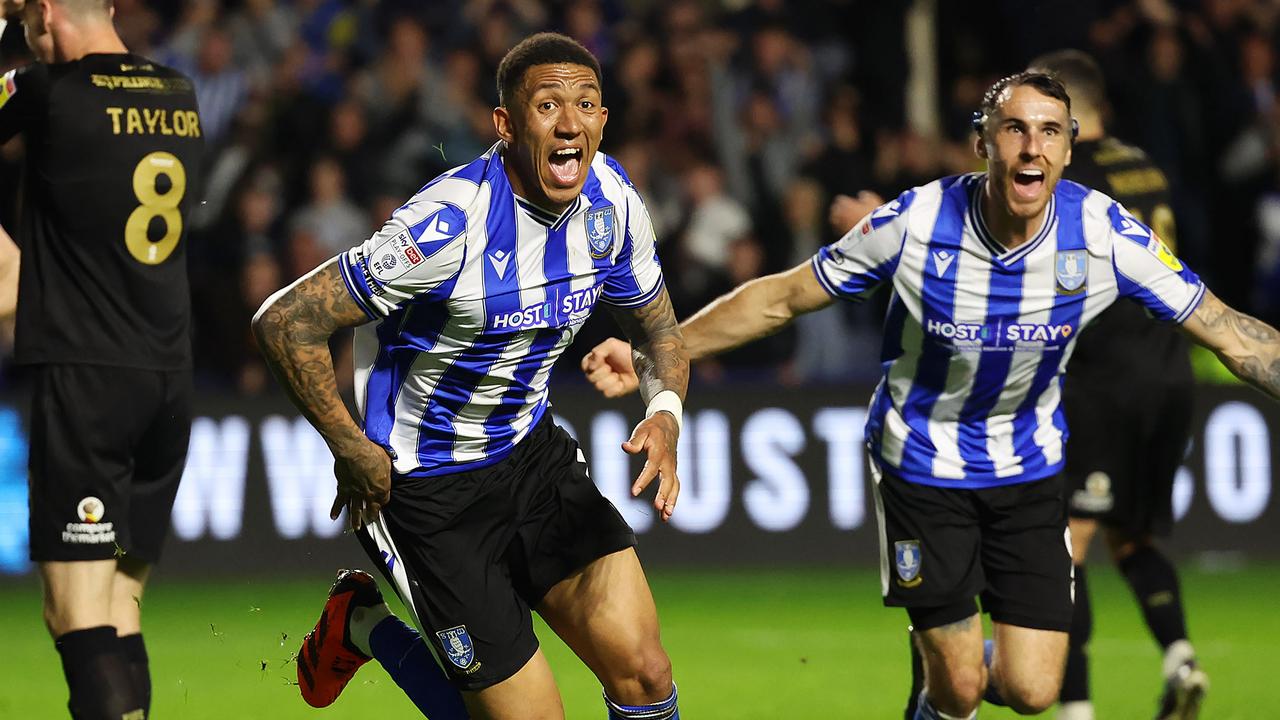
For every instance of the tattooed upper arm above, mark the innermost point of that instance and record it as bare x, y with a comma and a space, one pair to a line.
658, 350
293, 328
309, 310
1246, 345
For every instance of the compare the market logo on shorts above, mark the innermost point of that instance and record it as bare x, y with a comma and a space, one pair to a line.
90, 530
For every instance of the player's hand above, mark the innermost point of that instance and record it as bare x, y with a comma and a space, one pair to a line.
363, 471
656, 436
608, 367
846, 211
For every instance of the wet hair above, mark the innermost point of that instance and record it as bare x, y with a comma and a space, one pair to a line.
1079, 73
1044, 83
540, 49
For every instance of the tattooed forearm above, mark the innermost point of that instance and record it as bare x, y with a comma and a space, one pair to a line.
1249, 347
293, 328
658, 350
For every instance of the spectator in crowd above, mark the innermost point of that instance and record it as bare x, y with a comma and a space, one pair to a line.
725, 115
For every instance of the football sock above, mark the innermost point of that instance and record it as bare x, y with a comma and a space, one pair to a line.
1178, 654
926, 711
98, 676
1154, 582
663, 710
410, 663
1075, 680
992, 693
362, 622
135, 653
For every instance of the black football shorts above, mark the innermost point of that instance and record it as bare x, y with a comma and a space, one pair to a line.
942, 547
107, 451
1123, 453
472, 552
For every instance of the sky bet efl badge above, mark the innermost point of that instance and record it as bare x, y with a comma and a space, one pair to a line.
600, 231
906, 557
1072, 270
457, 645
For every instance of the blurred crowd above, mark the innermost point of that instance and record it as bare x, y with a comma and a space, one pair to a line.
738, 121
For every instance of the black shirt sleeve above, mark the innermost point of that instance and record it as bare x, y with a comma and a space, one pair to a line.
23, 92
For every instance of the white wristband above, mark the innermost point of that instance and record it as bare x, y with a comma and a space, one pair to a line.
669, 401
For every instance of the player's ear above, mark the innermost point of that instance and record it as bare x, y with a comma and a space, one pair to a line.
502, 124
980, 146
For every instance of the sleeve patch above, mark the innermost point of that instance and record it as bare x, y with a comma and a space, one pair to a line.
1164, 254
1134, 229
391, 258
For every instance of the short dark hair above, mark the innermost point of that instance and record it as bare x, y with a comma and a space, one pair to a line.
1079, 72
1045, 83
540, 49
87, 6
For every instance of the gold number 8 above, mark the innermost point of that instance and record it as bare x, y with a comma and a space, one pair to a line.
154, 204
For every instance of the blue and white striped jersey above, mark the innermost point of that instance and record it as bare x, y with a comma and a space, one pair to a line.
476, 293
977, 336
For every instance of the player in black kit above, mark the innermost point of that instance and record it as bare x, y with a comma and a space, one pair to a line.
113, 141
1127, 403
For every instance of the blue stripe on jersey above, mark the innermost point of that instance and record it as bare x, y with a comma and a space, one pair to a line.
616, 166
938, 306
894, 321
895, 318
555, 268
1067, 309
620, 286
1004, 296
470, 367
474, 171
402, 336
859, 285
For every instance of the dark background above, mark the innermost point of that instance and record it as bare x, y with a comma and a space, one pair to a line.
758, 469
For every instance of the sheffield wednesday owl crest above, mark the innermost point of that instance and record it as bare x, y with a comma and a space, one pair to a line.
600, 231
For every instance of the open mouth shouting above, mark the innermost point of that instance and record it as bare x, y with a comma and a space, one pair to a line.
1027, 183
566, 167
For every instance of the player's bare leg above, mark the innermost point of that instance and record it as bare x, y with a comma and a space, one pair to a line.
606, 615
1027, 666
127, 585
78, 613
531, 693
77, 595
954, 673
1082, 532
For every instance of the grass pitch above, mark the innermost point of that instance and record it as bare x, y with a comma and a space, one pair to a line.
745, 644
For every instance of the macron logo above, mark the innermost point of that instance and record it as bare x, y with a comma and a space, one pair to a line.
887, 211
942, 260
1132, 229
499, 259
439, 230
